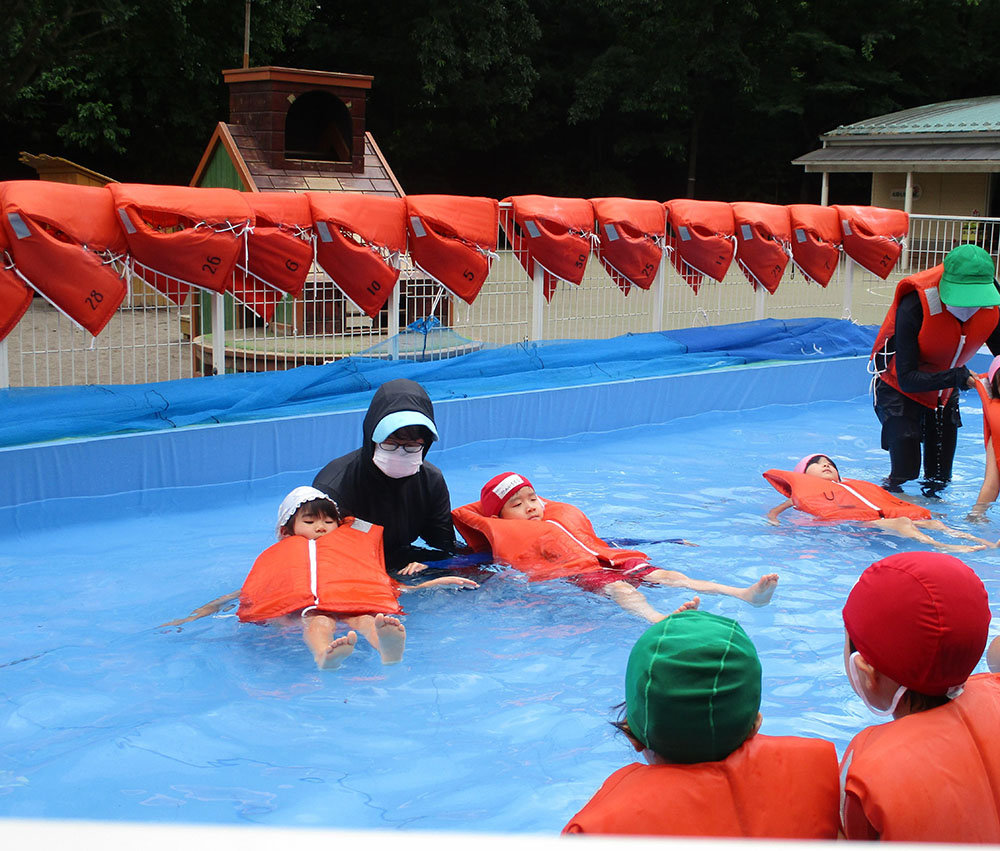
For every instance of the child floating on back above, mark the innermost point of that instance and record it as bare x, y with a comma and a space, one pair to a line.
692, 701
916, 625
815, 487
550, 540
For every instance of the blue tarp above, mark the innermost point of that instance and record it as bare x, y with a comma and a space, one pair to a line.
31, 415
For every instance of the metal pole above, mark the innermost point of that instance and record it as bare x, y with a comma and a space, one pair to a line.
904, 261
218, 334
4, 366
393, 326
537, 303
848, 287
759, 302
659, 293
824, 194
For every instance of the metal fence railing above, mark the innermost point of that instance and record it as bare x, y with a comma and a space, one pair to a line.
150, 339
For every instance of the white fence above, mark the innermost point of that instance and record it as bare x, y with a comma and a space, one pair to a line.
150, 339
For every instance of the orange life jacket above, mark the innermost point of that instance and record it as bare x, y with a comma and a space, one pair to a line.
933, 776
763, 242
341, 572
62, 238
630, 240
190, 234
279, 251
553, 233
563, 543
848, 499
453, 239
359, 240
991, 421
771, 786
873, 236
15, 295
816, 240
700, 238
944, 342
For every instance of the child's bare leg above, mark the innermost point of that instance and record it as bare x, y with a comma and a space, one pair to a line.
905, 528
938, 526
328, 651
365, 625
632, 600
758, 594
391, 638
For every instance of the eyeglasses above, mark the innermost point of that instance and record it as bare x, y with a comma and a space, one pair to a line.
410, 448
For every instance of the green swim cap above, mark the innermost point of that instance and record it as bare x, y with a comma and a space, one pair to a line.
692, 687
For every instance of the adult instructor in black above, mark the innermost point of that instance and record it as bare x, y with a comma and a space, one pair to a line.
388, 481
939, 318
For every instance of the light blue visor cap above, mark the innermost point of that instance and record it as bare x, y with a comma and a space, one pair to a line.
400, 419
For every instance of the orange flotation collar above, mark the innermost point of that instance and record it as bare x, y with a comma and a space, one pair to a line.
360, 240
700, 238
631, 237
555, 234
763, 242
453, 239
873, 236
563, 543
342, 572
771, 787
816, 240
848, 499
15, 294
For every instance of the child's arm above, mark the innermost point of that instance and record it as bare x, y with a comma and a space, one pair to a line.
204, 611
460, 581
991, 485
772, 515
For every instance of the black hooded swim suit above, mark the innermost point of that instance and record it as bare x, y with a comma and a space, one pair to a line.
418, 506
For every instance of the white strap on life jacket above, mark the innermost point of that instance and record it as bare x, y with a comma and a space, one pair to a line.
867, 502
313, 578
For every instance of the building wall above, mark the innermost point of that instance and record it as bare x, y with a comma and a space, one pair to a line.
940, 193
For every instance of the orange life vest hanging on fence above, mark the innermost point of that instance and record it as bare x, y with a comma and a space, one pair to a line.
944, 341
453, 239
700, 239
359, 239
279, 251
64, 240
630, 240
562, 544
763, 242
341, 572
873, 236
554, 233
184, 236
15, 294
775, 787
848, 499
933, 776
816, 240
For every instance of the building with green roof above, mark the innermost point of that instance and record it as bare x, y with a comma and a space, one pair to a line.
938, 159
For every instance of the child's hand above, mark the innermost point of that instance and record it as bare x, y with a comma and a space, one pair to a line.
460, 581
412, 567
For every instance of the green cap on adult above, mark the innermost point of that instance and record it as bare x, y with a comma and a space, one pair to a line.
968, 279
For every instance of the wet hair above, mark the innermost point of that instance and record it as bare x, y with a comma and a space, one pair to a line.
816, 458
621, 722
917, 702
316, 507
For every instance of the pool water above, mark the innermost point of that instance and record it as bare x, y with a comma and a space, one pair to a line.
497, 718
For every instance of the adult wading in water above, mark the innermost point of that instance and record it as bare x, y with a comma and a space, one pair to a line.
388, 481
937, 321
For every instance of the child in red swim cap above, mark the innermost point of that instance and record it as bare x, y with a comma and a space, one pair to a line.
916, 627
551, 540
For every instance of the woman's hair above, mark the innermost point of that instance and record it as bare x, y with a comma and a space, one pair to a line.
316, 507
918, 702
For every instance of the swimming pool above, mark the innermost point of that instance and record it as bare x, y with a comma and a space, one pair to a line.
497, 718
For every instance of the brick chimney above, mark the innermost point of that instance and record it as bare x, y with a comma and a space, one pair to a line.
302, 119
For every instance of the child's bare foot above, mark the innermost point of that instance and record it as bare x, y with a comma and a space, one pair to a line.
686, 607
391, 638
335, 653
960, 548
760, 593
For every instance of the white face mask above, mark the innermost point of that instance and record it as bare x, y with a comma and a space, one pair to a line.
962, 314
398, 464
854, 675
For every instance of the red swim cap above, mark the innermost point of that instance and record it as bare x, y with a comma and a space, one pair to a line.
498, 490
921, 619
